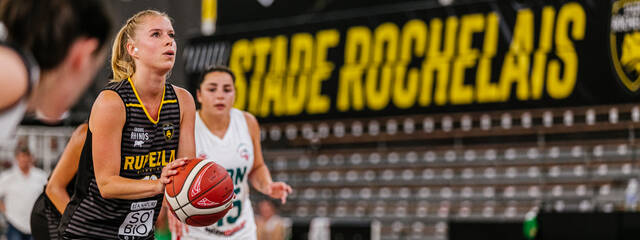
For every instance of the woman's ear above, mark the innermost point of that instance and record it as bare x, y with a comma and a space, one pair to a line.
131, 49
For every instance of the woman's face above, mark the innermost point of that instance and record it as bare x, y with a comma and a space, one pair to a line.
61, 87
154, 39
217, 93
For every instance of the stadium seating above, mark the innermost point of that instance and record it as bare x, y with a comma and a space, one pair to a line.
415, 173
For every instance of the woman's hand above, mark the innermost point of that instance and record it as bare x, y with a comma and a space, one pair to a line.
171, 169
279, 190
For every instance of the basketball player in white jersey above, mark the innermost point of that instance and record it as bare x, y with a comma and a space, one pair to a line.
49, 52
231, 138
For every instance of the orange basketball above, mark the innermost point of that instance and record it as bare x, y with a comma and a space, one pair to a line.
201, 193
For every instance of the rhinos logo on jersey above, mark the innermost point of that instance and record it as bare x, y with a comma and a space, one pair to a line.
139, 136
625, 42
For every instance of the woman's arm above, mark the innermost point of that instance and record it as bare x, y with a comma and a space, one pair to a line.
187, 144
106, 122
260, 177
66, 168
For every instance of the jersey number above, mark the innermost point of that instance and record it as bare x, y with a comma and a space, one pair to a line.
230, 217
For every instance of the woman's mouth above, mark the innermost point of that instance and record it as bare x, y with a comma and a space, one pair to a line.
169, 53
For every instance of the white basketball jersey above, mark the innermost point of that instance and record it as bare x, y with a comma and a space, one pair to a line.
235, 153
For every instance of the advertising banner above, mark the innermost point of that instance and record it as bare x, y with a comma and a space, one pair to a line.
412, 58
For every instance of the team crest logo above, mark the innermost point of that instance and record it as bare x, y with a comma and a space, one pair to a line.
168, 131
243, 151
625, 42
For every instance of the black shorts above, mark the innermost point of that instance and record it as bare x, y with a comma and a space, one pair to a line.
45, 219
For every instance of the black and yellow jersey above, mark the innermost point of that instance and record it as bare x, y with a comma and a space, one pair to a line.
45, 217
147, 145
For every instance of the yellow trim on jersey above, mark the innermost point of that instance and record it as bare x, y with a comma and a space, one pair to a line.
142, 105
134, 105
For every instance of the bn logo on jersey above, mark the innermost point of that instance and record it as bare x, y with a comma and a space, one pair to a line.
168, 130
625, 42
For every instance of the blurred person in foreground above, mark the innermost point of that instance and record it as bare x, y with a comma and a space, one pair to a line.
49, 52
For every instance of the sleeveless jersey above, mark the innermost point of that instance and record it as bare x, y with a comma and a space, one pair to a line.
147, 145
235, 153
11, 116
45, 217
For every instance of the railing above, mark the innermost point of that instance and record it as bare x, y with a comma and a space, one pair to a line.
45, 143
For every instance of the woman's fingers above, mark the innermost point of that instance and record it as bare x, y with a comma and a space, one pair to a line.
280, 190
171, 168
177, 163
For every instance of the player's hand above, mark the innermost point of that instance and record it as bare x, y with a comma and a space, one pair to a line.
171, 169
175, 226
279, 190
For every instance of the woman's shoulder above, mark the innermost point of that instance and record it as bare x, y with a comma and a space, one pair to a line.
180, 92
108, 101
14, 83
177, 88
244, 113
252, 122
108, 96
107, 111
115, 85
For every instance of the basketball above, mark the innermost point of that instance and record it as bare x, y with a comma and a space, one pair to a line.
201, 193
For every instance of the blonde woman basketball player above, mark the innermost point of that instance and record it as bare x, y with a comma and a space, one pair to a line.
231, 138
138, 126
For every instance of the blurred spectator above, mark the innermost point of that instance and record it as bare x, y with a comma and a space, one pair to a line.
270, 225
21, 186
